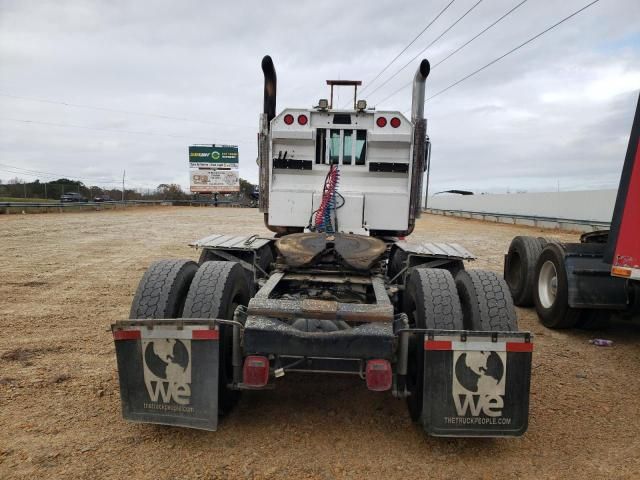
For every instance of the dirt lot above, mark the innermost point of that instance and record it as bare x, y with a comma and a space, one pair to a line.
66, 277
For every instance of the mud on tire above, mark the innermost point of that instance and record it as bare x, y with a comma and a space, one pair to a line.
162, 290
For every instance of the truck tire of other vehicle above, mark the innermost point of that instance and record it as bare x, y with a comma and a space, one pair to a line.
519, 268
551, 294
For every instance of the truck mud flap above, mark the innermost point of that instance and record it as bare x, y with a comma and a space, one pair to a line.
476, 384
168, 372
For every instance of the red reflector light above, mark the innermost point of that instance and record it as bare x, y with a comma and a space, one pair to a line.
381, 122
255, 371
288, 119
126, 335
379, 375
302, 119
395, 122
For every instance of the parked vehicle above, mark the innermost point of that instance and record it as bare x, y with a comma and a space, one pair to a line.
583, 284
338, 290
102, 198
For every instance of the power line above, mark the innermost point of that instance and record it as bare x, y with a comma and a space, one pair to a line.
479, 34
475, 72
130, 132
433, 67
410, 43
425, 48
115, 110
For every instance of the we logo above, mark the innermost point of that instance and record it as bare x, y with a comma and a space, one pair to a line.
479, 383
167, 370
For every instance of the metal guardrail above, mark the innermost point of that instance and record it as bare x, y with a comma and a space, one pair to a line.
73, 204
27, 205
536, 221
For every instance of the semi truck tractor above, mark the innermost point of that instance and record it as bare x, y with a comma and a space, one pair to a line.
339, 288
584, 283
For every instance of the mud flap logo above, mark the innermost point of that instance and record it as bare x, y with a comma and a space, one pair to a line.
479, 383
167, 370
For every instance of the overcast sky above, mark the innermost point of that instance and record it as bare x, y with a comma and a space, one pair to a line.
556, 112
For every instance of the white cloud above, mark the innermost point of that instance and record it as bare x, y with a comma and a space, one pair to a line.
559, 109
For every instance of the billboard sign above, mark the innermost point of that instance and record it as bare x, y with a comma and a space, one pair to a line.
213, 156
214, 168
214, 180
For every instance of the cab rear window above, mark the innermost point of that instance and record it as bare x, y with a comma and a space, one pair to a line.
341, 146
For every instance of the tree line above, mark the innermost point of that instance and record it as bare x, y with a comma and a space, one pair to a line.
53, 190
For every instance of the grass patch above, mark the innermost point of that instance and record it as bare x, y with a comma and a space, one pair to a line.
29, 200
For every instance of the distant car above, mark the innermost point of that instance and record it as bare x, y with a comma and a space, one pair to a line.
102, 198
72, 197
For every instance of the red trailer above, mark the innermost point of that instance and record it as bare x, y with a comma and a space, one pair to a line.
624, 238
574, 284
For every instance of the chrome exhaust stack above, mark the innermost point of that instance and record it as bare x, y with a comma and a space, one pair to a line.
417, 97
419, 160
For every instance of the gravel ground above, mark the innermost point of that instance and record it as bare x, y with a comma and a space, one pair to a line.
67, 277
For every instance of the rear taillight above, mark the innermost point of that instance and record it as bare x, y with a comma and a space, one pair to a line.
381, 122
395, 122
302, 119
288, 119
255, 372
379, 375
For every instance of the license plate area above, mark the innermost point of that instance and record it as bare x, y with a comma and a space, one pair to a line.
476, 384
168, 372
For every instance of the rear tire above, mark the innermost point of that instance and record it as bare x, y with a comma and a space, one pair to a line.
217, 289
162, 290
430, 301
486, 302
552, 290
520, 266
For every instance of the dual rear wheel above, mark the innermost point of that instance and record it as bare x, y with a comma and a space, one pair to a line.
179, 288
536, 274
434, 299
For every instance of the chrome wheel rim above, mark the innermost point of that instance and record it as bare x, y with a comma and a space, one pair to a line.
548, 284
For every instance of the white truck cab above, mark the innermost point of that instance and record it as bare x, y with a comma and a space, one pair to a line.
378, 157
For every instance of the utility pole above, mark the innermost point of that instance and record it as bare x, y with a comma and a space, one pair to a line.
123, 174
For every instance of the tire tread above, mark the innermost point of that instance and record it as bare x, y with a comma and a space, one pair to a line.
152, 298
441, 303
492, 297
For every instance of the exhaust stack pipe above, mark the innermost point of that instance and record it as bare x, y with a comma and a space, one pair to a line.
417, 97
270, 87
268, 114
419, 146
